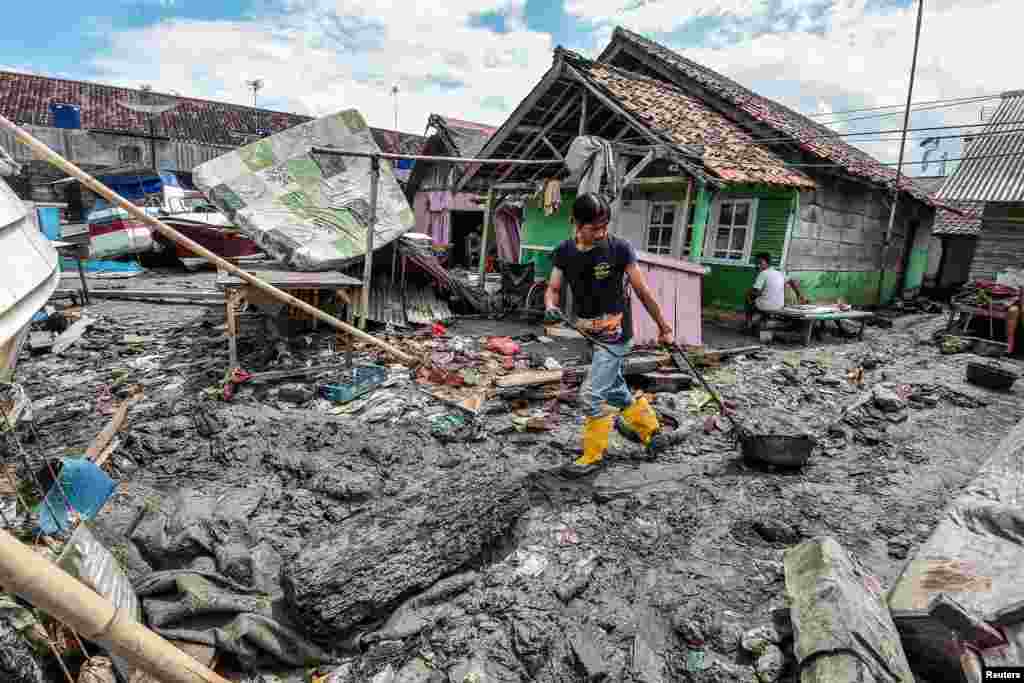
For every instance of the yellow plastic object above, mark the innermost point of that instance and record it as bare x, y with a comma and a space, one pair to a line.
641, 418
596, 432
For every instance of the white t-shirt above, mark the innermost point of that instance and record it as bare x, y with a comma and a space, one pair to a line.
772, 285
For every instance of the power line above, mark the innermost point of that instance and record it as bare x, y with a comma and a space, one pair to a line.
915, 104
951, 104
821, 136
911, 163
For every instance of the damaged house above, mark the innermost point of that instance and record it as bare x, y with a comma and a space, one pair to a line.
825, 224
986, 241
103, 128
454, 220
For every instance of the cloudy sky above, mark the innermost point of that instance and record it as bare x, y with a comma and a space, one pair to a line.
477, 60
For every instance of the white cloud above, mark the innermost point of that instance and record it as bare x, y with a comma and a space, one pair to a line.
859, 55
657, 15
318, 57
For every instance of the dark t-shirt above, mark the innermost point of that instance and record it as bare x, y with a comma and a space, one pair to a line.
597, 276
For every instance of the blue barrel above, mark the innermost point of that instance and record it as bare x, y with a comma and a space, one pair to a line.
66, 115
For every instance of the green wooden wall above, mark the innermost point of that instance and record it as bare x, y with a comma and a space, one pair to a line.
545, 231
726, 285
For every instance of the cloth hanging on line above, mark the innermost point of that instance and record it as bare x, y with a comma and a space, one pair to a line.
552, 196
591, 160
439, 222
507, 224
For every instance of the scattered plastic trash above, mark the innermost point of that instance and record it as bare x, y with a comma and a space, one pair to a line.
552, 364
503, 345
86, 488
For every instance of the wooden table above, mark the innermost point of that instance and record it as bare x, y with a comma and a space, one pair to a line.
1011, 314
301, 285
815, 314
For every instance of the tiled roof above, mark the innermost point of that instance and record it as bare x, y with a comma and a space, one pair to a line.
996, 174
26, 98
929, 184
729, 152
467, 137
952, 224
776, 116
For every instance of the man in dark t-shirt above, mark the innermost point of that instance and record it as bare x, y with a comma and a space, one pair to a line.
596, 266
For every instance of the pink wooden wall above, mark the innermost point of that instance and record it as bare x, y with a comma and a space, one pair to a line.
463, 201
676, 286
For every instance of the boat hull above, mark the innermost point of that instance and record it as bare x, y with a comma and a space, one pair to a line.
29, 277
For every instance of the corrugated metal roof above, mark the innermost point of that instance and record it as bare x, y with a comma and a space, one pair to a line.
1000, 176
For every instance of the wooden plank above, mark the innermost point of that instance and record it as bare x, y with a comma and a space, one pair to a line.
636, 365
528, 378
116, 422
72, 334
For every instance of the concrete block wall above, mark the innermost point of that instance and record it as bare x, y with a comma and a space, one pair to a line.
842, 227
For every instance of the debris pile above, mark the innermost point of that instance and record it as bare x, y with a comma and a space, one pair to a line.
326, 513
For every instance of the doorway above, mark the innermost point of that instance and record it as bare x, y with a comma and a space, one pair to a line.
466, 232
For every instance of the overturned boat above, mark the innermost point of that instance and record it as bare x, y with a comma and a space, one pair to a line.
29, 277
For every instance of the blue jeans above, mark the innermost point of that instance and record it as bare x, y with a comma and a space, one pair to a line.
605, 381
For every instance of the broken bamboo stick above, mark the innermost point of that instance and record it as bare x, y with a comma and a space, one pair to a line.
112, 428
57, 593
47, 154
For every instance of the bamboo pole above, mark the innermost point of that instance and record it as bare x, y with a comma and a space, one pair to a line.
371, 227
488, 210
47, 154
63, 597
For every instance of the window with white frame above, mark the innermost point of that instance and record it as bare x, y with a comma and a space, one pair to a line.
730, 232
661, 222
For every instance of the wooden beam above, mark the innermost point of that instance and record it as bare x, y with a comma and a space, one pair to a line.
630, 177
488, 210
583, 113
677, 247
638, 169
561, 99
554, 150
544, 131
550, 78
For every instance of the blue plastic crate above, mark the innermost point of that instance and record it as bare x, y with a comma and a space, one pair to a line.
361, 380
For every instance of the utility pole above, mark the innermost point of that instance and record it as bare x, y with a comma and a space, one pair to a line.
256, 85
394, 97
146, 90
903, 144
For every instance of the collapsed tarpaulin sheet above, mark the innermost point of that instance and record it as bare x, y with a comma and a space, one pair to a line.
973, 558
210, 609
85, 487
308, 211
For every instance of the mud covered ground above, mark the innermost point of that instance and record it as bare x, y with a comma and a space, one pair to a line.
566, 579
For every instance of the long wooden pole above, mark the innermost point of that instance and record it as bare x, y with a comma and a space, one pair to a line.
488, 210
371, 228
63, 597
883, 257
47, 154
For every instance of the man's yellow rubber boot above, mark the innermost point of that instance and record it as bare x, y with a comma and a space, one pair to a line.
641, 418
596, 432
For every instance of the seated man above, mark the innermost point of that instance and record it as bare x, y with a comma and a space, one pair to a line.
769, 291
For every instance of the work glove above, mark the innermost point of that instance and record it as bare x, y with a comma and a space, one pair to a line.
552, 316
